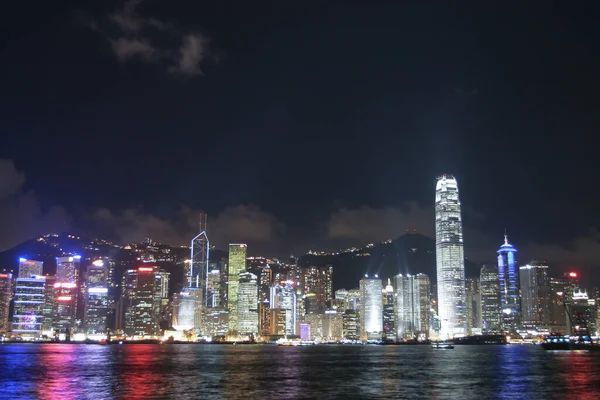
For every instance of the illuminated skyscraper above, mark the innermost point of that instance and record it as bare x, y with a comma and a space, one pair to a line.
248, 304
29, 268
5, 296
65, 307
449, 258
67, 269
29, 304
144, 289
96, 300
508, 275
184, 304
536, 304
283, 297
319, 281
264, 297
237, 265
371, 309
389, 319
198, 271
413, 306
490, 299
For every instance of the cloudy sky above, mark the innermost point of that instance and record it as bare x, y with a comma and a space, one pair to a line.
300, 125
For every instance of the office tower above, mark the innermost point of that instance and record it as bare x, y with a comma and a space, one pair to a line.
490, 299
184, 306
96, 300
29, 300
413, 306
247, 304
318, 281
283, 297
48, 308
216, 321
67, 269
473, 296
65, 307
316, 325
341, 299
583, 313
237, 265
29, 268
371, 309
508, 276
332, 326
264, 296
5, 296
536, 302
353, 299
224, 267
198, 272
277, 322
143, 293
266, 281
558, 315
351, 325
449, 258
214, 286
389, 318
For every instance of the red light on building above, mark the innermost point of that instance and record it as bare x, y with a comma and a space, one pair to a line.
145, 269
573, 274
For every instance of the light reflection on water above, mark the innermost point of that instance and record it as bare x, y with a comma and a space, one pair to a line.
60, 371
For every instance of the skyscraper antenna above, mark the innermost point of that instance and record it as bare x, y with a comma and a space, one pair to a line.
505, 237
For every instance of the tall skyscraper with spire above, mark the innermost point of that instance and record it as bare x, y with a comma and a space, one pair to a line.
198, 271
508, 275
449, 258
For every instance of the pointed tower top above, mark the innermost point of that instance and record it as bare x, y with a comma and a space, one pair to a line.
505, 237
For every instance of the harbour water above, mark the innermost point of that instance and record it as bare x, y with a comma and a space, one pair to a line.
70, 371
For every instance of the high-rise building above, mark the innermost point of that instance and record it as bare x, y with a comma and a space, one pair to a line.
371, 308
64, 309
29, 268
389, 318
490, 299
283, 297
558, 315
536, 303
318, 281
214, 286
264, 297
449, 258
143, 292
473, 296
29, 300
237, 265
413, 306
96, 300
351, 325
341, 300
508, 275
48, 309
5, 296
184, 305
247, 304
67, 269
332, 326
353, 299
198, 268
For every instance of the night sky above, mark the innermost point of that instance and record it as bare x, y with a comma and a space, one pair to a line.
301, 125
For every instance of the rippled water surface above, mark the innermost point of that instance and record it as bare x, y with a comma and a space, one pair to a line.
62, 371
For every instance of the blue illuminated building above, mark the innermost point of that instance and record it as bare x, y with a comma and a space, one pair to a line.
508, 275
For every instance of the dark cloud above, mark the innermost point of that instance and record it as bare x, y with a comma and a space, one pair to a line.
21, 214
242, 223
132, 35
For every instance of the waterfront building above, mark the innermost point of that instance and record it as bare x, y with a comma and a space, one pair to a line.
64, 309
332, 326
216, 321
214, 286
351, 325
318, 281
341, 300
371, 308
237, 265
5, 296
413, 306
48, 308
184, 306
305, 333
198, 267
473, 296
508, 276
389, 317
353, 299
558, 316
143, 292
96, 301
450, 261
277, 322
536, 295
29, 300
247, 304
489, 288
583, 312
283, 297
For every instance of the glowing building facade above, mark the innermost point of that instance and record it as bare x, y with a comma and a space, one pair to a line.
283, 297
371, 309
96, 300
536, 303
29, 304
144, 290
237, 265
5, 296
508, 275
29, 268
449, 258
197, 274
248, 304
489, 290
413, 306
67, 269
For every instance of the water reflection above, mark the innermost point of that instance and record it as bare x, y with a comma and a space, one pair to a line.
271, 372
